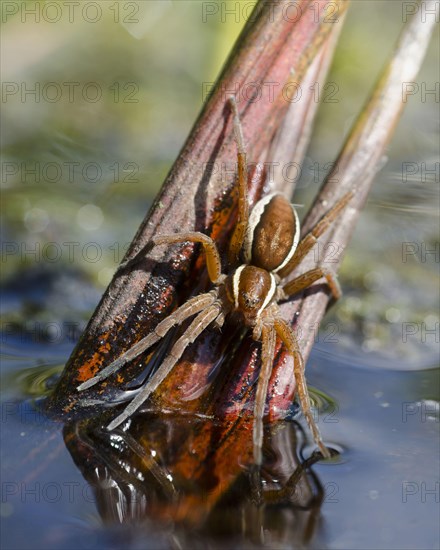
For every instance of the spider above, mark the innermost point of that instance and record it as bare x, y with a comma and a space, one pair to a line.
263, 250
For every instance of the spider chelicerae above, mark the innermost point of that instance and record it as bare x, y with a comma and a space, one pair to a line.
263, 251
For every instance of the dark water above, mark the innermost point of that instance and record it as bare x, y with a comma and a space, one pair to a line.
382, 492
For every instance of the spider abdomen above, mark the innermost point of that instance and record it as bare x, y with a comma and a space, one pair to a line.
272, 233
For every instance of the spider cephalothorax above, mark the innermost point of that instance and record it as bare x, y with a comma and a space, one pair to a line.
264, 249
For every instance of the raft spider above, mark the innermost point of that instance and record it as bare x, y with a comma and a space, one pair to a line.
264, 249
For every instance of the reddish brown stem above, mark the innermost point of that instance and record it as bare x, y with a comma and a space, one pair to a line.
270, 48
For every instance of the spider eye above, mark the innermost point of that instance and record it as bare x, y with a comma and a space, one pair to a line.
251, 302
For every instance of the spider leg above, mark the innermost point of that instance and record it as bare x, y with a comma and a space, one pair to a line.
198, 325
268, 337
309, 277
213, 263
243, 204
307, 243
288, 337
191, 307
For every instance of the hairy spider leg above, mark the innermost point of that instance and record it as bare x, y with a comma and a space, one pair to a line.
198, 325
213, 263
189, 308
193, 306
308, 278
307, 243
289, 340
268, 339
239, 233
